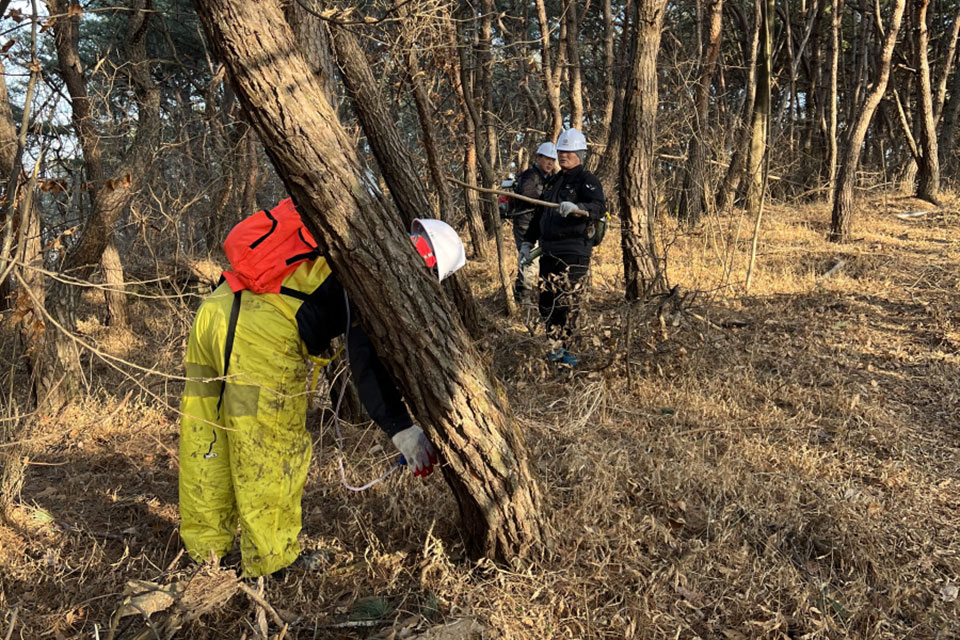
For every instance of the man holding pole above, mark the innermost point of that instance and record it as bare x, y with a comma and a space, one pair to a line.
567, 238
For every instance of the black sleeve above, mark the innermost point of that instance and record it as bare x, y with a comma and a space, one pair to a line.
591, 198
532, 234
531, 185
376, 387
322, 316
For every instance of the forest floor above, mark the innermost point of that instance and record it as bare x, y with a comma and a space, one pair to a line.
782, 462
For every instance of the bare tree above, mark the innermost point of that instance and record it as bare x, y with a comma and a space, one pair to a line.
842, 220
695, 191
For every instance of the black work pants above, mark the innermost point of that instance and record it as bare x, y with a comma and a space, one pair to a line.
561, 286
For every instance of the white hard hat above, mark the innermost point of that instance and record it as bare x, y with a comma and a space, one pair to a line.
547, 149
571, 140
445, 247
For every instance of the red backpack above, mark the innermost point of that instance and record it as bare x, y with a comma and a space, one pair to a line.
267, 247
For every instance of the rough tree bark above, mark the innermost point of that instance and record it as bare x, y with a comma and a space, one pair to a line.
396, 164
841, 225
551, 80
573, 59
423, 343
760, 123
836, 9
609, 75
693, 197
928, 169
641, 263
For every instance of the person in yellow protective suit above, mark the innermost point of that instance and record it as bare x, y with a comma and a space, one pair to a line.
244, 447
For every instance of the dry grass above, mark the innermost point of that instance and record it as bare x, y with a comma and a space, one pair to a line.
793, 475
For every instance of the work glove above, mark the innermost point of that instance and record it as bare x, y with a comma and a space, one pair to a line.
566, 208
525, 249
416, 449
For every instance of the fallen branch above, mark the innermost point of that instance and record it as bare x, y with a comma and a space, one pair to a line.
13, 621
834, 268
910, 214
257, 598
517, 196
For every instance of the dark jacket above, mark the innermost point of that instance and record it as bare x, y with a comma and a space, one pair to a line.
530, 184
321, 318
559, 235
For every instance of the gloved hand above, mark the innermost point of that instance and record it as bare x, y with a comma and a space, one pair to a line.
566, 208
525, 249
420, 455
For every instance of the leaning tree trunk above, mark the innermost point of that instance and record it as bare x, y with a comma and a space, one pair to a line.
638, 201
841, 225
424, 343
396, 164
694, 194
928, 170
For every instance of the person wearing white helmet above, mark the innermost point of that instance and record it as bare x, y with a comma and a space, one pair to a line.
244, 447
530, 184
566, 241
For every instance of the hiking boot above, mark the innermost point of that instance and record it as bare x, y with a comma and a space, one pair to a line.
563, 357
305, 563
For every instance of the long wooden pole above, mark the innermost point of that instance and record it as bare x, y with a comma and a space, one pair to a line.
510, 194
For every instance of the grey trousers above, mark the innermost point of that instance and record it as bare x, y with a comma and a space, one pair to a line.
526, 283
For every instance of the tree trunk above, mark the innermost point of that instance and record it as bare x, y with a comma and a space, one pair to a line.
695, 191
471, 203
841, 225
836, 9
22, 258
113, 291
928, 171
430, 138
111, 196
608, 166
638, 202
609, 75
948, 132
397, 165
573, 58
551, 84
760, 123
423, 343
478, 111
734, 175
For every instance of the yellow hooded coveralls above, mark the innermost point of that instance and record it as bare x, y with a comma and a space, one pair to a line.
245, 461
